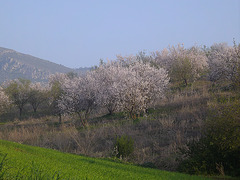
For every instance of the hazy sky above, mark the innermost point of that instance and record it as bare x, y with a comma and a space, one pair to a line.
77, 33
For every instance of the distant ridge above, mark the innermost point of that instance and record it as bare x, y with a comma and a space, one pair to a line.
15, 65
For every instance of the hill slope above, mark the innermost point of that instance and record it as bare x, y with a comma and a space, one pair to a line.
22, 159
17, 65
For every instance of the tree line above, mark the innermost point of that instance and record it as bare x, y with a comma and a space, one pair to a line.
131, 84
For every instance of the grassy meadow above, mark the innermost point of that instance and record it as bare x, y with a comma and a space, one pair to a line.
28, 162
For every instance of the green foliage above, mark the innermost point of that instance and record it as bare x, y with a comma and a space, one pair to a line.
218, 150
16, 87
18, 91
182, 71
36, 97
200, 158
223, 125
124, 146
55, 94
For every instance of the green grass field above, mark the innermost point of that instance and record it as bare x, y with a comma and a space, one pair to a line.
28, 162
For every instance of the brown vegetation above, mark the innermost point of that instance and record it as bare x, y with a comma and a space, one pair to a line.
157, 136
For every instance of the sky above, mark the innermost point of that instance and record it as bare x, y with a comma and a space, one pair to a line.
78, 33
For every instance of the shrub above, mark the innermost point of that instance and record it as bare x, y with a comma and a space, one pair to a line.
218, 150
124, 146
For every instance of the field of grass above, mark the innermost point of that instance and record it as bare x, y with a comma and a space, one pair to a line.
28, 162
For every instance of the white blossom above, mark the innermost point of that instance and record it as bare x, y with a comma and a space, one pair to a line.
130, 85
78, 97
224, 62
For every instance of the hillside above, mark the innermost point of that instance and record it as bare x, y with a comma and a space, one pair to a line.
17, 65
39, 162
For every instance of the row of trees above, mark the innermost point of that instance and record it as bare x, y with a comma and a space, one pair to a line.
131, 84
219, 63
21, 92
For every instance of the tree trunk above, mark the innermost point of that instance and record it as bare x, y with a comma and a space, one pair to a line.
60, 118
20, 112
110, 111
185, 81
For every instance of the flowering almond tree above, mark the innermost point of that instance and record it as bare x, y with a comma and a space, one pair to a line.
107, 78
141, 85
130, 85
79, 96
224, 63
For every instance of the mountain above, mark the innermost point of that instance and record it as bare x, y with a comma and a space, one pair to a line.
15, 65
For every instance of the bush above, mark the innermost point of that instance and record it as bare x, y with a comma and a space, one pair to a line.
124, 146
218, 150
